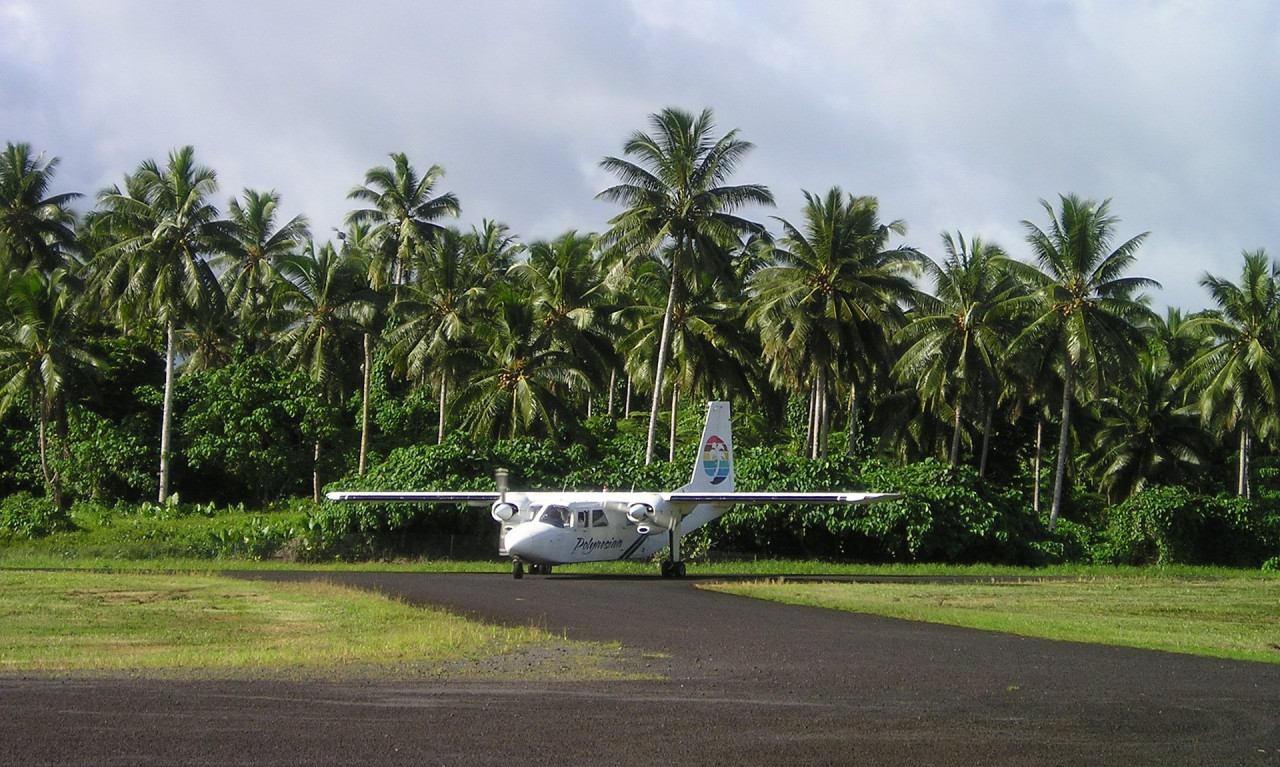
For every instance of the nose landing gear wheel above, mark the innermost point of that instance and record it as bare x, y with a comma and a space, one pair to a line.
517, 569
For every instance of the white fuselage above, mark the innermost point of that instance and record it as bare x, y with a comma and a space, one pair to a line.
563, 528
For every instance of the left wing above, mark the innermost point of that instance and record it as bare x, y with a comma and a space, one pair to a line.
760, 498
416, 496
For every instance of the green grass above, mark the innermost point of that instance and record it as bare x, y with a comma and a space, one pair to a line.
1230, 617
117, 614
78, 621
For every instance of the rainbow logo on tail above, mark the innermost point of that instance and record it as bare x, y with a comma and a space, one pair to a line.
715, 459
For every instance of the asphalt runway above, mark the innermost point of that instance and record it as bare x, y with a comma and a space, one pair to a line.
742, 683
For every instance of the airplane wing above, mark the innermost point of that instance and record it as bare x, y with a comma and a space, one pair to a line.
415, 496
762, 498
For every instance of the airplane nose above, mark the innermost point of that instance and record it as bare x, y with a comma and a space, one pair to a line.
519, 541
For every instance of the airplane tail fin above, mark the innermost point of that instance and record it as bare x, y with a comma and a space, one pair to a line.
713, 467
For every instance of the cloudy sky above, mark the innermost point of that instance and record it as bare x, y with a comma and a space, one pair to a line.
958, 116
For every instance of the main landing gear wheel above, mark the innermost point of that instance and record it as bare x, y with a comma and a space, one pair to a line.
672, 569
517, 569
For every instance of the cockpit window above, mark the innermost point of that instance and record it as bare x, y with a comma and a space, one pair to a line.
598, 519
556, 516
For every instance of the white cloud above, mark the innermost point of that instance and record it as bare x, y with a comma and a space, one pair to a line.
957, 115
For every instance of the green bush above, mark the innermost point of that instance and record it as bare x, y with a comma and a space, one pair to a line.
25, 518
110, 459
1171, 525
249, 430
1069, 542
946, 514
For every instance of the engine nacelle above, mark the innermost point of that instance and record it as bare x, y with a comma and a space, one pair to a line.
504, 511
639, 512
648, 519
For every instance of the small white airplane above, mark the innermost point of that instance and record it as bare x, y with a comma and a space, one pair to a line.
546, 528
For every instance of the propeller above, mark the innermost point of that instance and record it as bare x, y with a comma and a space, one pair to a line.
500, 479
502, 511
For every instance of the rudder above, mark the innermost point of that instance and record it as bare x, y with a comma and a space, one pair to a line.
713, 468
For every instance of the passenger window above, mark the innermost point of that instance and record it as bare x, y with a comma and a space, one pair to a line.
582, 519
598, 519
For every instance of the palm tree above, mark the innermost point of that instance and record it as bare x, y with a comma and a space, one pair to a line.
677, 204
34, 227
956, 338
566, 285
515, 389
402, 215
356, 245
164, 230
712, 353
831, 302
247, 267
1147, 437
327, 304
41, 353
1084, 308
1239, 375
492, 249
438, 312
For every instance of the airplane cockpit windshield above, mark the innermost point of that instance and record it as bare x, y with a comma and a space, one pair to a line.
556, 516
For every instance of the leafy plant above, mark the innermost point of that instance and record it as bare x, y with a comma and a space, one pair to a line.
1168, 525
23, 517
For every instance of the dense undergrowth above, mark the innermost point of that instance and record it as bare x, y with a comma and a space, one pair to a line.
945, 515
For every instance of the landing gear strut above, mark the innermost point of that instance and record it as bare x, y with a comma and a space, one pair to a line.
674, 567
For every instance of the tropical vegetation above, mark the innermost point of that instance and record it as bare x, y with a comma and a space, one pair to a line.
153, 347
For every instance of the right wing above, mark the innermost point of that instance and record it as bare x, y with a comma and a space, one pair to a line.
681, 496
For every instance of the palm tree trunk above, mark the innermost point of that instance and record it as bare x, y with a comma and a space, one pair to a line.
955, 434
444, 390
613, 381
315, 473
364, 406
1064, 437
824, 415
659, 370
1248, 467
812, 420
986, 443
1035, 466
42, 438
853, 417
671, 445
1242, 477
626, 400
166, 410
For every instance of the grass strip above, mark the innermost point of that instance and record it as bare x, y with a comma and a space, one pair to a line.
1236, 617
20, 558
90, 621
